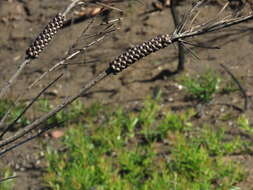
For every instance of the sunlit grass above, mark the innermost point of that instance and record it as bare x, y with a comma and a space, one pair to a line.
15, 110
149, 149
201, 87
6, 184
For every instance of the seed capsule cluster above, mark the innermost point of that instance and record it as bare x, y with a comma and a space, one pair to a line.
45, 36
138, 52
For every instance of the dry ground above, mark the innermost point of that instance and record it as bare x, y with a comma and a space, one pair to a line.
21, 20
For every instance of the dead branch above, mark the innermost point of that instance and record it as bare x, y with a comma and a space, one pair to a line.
8, 127
39, 44
181, 55
101, 36
39, 133
129, 57
58, 108
65, 61
8, 178
244, 94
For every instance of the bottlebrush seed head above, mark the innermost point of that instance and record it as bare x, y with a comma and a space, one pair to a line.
42, 40
138, 52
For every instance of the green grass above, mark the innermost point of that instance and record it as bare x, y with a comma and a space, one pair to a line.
8, 184
201, 87
244, 125
15, 111
150, 149
66, 116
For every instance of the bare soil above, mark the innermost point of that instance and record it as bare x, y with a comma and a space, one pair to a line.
22, 20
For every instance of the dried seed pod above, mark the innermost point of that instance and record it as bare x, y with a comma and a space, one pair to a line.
138, 52
45, 36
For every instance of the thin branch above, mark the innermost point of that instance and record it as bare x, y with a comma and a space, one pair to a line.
8, 127
109, 7
187, 16
7, 178
72, 55
131, 56
3, 119
214, 27
109, 29
58, 108
40, 132
191, 52
181, 54
4, 90
70, 7
239, 86
216, 17
28, 59
230, 105
199, 45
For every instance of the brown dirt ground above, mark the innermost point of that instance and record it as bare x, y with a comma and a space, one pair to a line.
21, 20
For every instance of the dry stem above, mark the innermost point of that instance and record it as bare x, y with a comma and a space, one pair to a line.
169, 39
58, 108
181, 55
4, 90
239, 86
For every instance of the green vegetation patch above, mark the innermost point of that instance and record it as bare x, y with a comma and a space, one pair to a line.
201, 87
150, 149
5, 183
15, 111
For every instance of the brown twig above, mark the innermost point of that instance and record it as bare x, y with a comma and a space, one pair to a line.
58, 108
40, 132
65, 60
8, 127
7, 178
4, 90
74, 54
138, 52
124, 60
28, 59
244, 94
199, 45
181, 54
70, 7
214, 27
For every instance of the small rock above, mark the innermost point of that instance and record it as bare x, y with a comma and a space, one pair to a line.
56, 134
42, 154
37, 162
170, 99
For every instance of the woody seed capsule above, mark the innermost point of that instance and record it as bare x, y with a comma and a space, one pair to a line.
138, 52
45, 36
